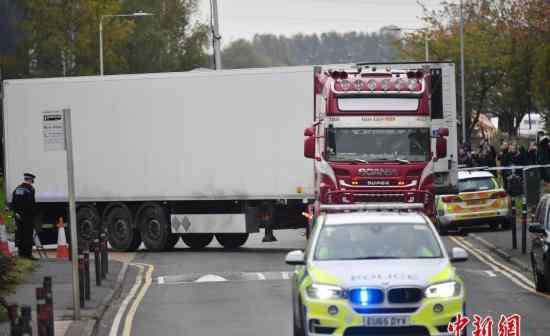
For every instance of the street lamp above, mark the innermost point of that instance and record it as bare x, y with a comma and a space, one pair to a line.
137, 14
462, 97
425, 30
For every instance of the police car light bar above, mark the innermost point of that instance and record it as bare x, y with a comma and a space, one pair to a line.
372, 207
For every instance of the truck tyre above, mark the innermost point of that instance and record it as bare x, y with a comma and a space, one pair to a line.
121, 233
231, 241
89, 222
197, 241
154, 228
172, 241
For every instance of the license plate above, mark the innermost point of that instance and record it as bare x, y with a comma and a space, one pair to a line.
385, 321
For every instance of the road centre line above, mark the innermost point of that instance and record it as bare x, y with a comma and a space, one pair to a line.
479, 255
261, 276
129, 297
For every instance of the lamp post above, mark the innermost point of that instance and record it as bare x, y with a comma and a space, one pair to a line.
462, 91
426, 43
137, 14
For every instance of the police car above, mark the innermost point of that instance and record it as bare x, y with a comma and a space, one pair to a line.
374, 273
481, 200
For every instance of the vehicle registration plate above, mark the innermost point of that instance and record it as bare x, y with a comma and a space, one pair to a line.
386, 321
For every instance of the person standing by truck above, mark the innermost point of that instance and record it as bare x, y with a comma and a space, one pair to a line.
24, 205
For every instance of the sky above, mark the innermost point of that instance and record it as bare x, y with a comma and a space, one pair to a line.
244, 18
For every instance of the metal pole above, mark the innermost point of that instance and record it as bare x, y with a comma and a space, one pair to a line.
462, 90
72, 212
524, 214
427, 47
101, 46
216, 35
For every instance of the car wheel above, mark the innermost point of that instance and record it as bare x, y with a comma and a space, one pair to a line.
539, 278
443, 231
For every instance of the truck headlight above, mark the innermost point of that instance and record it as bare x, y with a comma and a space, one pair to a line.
443, 290
325, 292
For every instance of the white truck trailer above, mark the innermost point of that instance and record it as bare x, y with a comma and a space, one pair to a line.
163, 156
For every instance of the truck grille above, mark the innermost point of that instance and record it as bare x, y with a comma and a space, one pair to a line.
395, 331
382, 198
405, 295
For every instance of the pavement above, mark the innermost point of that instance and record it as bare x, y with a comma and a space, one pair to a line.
248, 291
61, 273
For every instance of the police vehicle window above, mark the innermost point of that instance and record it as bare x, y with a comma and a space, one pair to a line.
376, 241
476, 184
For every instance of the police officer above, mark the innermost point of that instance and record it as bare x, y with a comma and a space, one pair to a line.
24, 206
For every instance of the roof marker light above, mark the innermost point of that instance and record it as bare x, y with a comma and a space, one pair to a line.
359, 84
371, 85
385, 84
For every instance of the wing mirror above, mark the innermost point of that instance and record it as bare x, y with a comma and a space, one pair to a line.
309, 143
309, 132
441, 143
537, 228
295, 258
458, 254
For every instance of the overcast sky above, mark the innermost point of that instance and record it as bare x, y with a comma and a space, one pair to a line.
244, 18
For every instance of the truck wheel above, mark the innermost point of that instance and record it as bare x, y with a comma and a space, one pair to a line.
89, 222
154, 227
172, 241
231, 240
197, 241
121, 233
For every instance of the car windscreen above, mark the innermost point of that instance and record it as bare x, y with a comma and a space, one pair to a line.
378, 144
376, 241
477, 184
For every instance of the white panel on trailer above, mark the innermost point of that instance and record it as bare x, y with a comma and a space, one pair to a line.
232, 134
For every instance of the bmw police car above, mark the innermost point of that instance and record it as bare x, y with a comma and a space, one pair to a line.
481, 200
375, 273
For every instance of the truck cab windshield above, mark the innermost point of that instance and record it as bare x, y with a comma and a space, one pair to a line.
378, 144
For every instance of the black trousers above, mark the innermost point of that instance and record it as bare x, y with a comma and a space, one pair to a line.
24, 236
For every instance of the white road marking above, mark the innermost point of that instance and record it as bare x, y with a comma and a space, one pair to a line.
160, 280
129, 297
491, 274
285, 275
261, 276
210, 278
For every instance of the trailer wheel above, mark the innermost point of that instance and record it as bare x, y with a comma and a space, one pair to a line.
154, 227
197, 241
172, 241
89, 222
121, 234
231, 240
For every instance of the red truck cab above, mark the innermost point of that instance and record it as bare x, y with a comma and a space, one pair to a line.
372, 138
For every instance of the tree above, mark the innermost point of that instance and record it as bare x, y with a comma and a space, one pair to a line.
506, 42
61, 37
242, 54
168, 41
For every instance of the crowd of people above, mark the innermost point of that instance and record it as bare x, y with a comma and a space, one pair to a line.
509, 154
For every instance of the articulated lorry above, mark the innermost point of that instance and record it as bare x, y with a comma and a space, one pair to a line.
384, 133
163, 156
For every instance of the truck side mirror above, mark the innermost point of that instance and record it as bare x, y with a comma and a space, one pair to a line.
309, 147
440, 147
309, 131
